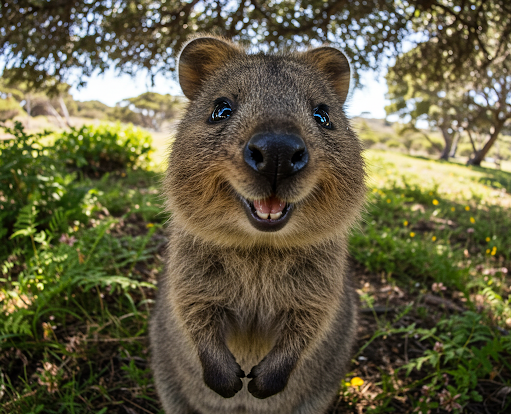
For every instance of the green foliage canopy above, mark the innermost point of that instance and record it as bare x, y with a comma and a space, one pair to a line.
430, 82
49, 38
91, 109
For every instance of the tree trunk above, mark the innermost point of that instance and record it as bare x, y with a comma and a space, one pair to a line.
65, 111
54, 112
448, 144
472, 141
28, 108
481, 154
454, 146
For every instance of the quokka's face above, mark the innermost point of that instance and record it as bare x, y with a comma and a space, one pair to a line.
264, 153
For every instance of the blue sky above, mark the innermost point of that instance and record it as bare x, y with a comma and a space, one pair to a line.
112, 87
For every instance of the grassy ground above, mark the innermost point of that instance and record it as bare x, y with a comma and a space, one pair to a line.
430, 261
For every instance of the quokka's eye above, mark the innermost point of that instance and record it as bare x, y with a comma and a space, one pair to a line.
223, 110
321, 116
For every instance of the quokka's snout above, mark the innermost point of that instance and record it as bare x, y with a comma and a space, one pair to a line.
274, 158
255, 312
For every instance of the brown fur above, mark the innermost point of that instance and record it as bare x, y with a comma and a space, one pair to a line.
278, 305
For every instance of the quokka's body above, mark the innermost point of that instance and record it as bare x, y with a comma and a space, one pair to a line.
255, 312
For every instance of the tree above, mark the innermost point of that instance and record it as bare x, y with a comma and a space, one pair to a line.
10, 99
124, 114
153, 109
40, 101
9, 108
50, 38
92, 109
490, 101
415, 98
472, 95
478, 104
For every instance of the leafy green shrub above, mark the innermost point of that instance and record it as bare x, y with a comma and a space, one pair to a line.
384, 137
369, 141
65, 262
30, 180
105, 148
392, 143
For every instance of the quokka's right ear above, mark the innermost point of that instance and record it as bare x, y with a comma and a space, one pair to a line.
199, 59
334, 64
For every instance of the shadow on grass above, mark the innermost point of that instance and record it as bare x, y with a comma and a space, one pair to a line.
494, 178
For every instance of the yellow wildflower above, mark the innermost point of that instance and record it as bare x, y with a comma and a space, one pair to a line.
356, 382
488, 239
405, 223
433, 238
467, 208
487, 251
388, 200
453, 209
472, 220
435, 202
494, 250
149, 225
412, 234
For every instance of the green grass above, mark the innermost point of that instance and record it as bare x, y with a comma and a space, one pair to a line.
436, 220
436, 232
76, 293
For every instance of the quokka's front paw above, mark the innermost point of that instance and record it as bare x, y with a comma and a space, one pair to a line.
223, 375
269, 377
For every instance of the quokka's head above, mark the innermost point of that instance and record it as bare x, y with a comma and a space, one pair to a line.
264, 154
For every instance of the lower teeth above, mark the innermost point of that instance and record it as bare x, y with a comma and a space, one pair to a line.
263, 216
266, 216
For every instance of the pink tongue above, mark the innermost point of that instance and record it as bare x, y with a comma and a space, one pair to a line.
271, 205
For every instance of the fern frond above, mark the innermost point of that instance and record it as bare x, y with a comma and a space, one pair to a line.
25, 222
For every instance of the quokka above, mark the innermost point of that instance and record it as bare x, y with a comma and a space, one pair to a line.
255, 312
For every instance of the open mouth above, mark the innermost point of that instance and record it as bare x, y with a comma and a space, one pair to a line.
269, 214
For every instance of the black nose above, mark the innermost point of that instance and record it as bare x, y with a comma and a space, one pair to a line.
276, 155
